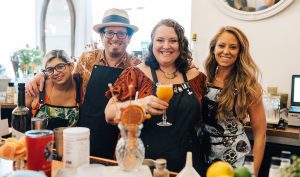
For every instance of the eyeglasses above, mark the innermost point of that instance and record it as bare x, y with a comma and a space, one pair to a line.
110, 34
59, 68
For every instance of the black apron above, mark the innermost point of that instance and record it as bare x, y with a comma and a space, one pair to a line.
66, 115
173, 142
103, 136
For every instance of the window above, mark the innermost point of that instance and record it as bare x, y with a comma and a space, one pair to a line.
18, 28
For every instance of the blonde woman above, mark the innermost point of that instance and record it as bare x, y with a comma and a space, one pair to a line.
233, 94
59, 100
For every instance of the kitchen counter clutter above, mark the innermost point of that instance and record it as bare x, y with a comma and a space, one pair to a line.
110, 168
288, 136
97, 170
278, 140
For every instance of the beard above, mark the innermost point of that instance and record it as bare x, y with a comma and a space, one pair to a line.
115, 53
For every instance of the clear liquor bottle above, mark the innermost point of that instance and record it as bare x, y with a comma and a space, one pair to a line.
20, 120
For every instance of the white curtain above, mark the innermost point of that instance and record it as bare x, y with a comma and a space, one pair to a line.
84, 26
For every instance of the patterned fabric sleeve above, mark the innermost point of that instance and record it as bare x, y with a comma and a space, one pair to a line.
198, 85
144, 85
135, 77
84, 67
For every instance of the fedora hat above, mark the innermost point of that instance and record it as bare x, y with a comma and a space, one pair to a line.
115, 17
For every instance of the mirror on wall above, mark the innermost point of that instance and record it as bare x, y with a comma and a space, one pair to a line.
58, 26
252, 9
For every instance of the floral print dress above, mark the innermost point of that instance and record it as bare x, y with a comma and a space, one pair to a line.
68, 113
58, 116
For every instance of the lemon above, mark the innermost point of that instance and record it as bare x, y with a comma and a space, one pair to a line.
242, 172
220, 169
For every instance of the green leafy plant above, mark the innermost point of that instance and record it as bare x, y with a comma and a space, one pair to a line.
292, 170
27, 57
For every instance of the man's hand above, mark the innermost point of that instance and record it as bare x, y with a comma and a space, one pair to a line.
36, 85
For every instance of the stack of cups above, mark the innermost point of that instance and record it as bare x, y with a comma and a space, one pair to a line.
58, 138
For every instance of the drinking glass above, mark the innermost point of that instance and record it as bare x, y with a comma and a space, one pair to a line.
165, 93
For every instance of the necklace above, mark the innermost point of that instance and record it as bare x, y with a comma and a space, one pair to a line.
169, 75
218, 80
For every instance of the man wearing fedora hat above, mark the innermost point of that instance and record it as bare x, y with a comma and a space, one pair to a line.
98, 68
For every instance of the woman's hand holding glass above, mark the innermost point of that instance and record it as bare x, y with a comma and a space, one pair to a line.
153, 105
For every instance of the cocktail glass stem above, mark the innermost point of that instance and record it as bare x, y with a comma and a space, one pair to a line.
164, 120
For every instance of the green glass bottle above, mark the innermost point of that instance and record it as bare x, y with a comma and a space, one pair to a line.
20, 120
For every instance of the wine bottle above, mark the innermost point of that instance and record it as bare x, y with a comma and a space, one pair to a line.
20, 120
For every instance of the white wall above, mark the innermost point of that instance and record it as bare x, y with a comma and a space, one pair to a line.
274, 42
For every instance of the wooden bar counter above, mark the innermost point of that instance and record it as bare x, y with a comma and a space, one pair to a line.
7, 106
288, 136
6, 166
56, 165
277, 140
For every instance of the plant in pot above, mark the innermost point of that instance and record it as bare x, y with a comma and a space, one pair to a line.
27, 60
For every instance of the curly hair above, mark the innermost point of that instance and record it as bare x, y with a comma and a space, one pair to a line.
241, 82
184, 59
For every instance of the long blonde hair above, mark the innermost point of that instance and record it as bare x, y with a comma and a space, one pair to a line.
242, 80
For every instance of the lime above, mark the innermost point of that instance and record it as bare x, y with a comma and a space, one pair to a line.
242, 172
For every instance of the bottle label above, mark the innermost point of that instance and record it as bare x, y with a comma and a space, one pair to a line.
10, 95
16, 98
16, 134
76, 152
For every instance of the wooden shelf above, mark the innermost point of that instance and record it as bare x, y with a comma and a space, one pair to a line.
289, 132
7, 106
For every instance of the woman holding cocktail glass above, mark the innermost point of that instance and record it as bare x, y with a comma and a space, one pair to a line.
171, 91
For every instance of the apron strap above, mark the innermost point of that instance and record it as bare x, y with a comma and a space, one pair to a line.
78, 80
235, 93
155, 80
184, 77
42, 93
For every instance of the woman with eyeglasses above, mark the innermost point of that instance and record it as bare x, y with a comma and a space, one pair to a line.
59, 101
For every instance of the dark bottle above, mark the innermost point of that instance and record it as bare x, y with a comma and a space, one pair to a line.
20, 120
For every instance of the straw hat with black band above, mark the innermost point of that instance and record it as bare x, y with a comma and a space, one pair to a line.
115, 17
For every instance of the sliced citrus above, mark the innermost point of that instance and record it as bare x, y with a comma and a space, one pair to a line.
132, 115
7, 151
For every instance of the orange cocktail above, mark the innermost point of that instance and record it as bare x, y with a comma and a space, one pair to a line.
165, 92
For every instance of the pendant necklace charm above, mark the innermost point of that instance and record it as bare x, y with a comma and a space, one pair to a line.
169, 75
